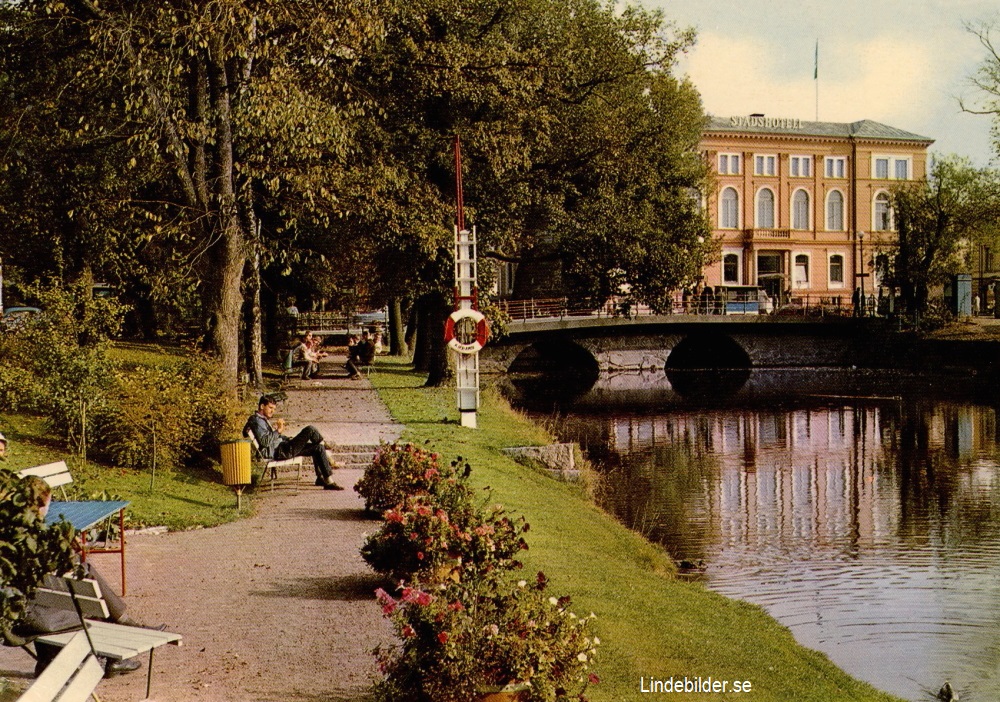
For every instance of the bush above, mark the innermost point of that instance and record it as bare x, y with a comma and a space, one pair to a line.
395, 472
28, 549
185, 406
462, 639
444, 533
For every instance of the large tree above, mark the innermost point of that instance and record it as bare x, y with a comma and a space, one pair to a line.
232, 106
936, 219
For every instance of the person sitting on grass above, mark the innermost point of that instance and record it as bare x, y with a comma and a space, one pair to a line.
40, 619
275, 445
3, 447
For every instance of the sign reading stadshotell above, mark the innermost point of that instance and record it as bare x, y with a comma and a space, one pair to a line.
767, 122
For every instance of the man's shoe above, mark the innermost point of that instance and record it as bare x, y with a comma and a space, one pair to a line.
320, 482
332, 486
120, 667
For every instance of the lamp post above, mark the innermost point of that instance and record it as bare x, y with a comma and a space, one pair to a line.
861, 269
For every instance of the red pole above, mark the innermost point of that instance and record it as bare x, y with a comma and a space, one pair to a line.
458, 184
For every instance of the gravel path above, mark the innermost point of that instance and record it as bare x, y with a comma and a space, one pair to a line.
277, 607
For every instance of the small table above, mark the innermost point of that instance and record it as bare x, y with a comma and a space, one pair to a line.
85, 514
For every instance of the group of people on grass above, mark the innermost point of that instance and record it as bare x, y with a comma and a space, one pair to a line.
361, 352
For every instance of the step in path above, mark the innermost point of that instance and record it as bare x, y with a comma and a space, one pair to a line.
276, 607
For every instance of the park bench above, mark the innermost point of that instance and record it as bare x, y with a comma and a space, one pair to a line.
271, 465
72, 676
83, 515
107, 640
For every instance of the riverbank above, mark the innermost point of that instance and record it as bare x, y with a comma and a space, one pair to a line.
651, 625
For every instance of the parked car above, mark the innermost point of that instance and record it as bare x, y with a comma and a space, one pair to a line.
16, 317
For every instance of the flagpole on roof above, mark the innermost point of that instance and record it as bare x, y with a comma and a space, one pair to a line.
816, 77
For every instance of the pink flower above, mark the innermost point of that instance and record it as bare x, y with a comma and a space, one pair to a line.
430, 473
423, 510
393, 516
593, 679
442, 515
423, 599
456, 606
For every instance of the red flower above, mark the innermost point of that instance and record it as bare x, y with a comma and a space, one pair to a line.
593, 679
420, 555
456, 606
443, 637
408, 632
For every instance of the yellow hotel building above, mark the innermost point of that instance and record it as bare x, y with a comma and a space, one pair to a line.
800, 208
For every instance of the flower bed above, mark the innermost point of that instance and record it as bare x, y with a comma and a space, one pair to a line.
468, 624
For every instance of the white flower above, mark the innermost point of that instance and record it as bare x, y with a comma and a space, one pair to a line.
581, 657
572, 616
597, 641
522, 583
553, 601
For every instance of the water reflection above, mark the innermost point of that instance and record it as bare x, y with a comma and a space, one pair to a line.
870, 527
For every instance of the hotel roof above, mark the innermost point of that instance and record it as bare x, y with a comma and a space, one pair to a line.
779, 126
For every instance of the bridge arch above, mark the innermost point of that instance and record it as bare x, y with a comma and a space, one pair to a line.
558, 357
702, 350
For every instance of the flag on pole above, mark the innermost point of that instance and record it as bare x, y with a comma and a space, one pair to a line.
816, 62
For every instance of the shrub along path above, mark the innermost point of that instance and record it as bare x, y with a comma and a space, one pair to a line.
275, 607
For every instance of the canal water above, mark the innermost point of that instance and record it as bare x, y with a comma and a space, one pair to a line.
859, 508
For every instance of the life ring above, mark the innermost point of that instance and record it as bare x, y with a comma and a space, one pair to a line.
466, 331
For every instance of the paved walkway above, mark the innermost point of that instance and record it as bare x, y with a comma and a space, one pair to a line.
277, 607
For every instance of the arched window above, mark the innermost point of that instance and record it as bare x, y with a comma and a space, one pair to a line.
729, 217
881, 215
835, 211
765, 209
800, 210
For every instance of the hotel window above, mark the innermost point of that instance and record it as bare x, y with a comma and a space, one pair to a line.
836, 166
729, 164
764, 165
801, 271
881, 168
765, 209
836, 271
881, 216
902, 169
800, 166
729, 216
835, 211
731, 268
800, 210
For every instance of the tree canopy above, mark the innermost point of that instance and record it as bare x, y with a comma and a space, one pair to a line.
178, 148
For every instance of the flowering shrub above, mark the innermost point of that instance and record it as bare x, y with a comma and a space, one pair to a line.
395, 472
427, 533
463, 638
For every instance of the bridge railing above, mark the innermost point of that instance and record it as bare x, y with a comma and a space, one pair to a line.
805, 305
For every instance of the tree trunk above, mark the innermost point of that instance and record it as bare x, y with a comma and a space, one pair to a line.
412, 327
397, 344
227, 254
433, 318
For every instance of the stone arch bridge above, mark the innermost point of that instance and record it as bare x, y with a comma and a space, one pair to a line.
685, 341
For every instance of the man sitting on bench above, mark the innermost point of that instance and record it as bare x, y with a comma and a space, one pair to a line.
274, 445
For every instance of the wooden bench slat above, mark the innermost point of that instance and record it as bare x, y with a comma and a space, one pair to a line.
55, 474
117, 641
84, 682
84, 587
92, 607
49, 685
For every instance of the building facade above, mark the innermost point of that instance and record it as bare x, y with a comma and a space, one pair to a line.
800, 208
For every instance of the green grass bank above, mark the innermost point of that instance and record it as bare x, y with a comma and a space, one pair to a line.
651, 625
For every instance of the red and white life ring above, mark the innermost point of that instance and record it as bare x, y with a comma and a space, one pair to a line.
466, 331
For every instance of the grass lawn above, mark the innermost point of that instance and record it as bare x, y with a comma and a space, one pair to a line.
650, 624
